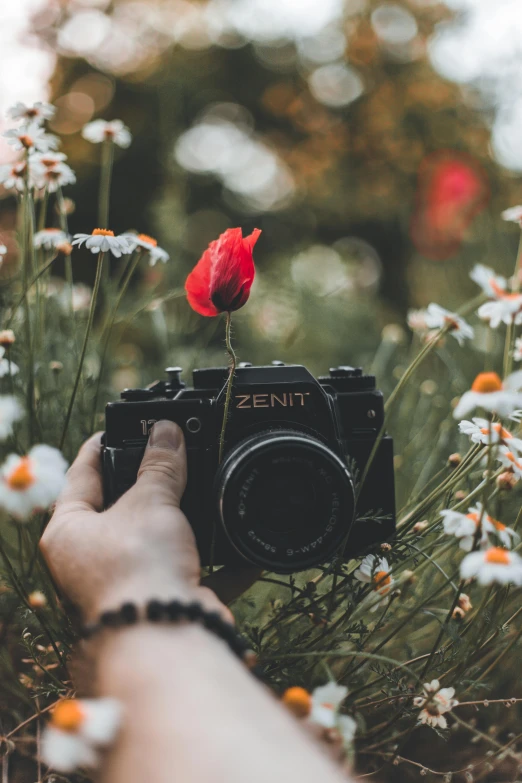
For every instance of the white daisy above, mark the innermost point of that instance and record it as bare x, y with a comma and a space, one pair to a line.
6, 367
464, 526
50, 238
493, 565
326, 701
102, 240
376, 571
31, 137
437, 318
151, 245
505, 309
12, 176
77, 730
517, 350
48, 159
490, 393
492, 284
101, 130
10, 411
513, 214
484, 431
52, 177
510, 460
33, 482
37, 113
435, 701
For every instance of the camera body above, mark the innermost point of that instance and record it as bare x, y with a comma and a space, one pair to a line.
287, 495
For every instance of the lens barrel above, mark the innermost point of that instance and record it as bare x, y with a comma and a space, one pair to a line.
286, 501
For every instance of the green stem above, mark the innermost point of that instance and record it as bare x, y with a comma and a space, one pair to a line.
107, 330
105, 183
230, 382
43, 211
510, 333
27, 287
90, 320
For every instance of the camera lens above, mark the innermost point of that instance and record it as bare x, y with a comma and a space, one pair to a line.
286, 501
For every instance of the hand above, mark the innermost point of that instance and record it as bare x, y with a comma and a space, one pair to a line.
142, 547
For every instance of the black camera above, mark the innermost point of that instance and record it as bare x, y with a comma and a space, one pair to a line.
288, 493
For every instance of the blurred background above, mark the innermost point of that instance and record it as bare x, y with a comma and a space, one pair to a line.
374, 143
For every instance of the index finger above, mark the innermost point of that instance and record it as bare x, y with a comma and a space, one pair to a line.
84, 487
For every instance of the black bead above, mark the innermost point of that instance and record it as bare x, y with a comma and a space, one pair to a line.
129, 613
155, 611
175, 610
212, 621
110, 619
194, 611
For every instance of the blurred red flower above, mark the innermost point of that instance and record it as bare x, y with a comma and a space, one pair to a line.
221, 280
452, 190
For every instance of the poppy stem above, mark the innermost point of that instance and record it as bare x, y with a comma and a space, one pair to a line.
230, 381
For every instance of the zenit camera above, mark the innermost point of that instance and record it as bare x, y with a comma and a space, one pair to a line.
287, 495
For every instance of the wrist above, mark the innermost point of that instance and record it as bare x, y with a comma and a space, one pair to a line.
140, 589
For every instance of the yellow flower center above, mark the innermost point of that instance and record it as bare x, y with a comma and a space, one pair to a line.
487, 382
25, 140
67, 715
298, 701
382, 579
102, 232
22, 476
149, 240
474, 517
497, 555
497, 525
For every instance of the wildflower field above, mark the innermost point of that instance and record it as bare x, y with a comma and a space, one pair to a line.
405, 660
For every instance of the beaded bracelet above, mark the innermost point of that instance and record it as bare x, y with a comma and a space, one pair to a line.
173, 612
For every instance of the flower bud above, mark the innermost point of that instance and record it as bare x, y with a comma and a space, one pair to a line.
458, 613
7, 338
464, 603
393, 333
454, 460
419, 527
385, 547
56, 366
37, 599
460, 494
506, 481
65, 248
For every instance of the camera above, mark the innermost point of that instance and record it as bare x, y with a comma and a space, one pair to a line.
288, 494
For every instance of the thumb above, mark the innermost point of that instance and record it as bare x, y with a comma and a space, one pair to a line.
162, 476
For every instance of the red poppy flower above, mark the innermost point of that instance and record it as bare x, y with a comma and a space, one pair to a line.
452, 190
221, 280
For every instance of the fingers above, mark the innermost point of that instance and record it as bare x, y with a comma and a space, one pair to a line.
232, 581
162, 476
84, 487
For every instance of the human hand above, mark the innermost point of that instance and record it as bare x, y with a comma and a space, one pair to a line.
140, 548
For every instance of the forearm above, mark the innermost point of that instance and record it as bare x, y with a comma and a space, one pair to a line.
192, 712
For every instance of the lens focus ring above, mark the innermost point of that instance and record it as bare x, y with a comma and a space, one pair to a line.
286, 501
